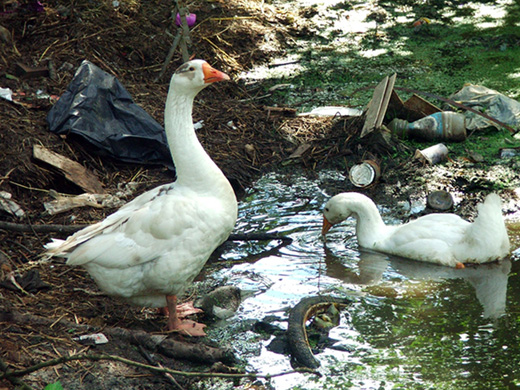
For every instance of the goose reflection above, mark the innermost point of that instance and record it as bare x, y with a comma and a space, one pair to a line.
489, 280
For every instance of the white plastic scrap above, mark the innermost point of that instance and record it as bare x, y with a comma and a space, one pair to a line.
333, 111
198, 125
6, 93
97, 338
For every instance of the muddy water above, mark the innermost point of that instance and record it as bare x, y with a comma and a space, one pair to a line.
411, 325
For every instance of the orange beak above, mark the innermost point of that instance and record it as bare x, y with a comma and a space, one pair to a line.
212, 75
326, 226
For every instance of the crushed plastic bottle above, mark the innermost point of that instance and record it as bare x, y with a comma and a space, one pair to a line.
448, 126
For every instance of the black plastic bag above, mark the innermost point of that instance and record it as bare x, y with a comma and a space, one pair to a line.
98, 108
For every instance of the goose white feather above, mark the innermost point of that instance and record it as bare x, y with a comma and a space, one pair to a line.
154, 246
444, 239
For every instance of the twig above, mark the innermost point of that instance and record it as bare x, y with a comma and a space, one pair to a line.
152, 361
16, 284
169, 56
226, 55
27, 187
69, 41
15, 381
26, 228
9, 375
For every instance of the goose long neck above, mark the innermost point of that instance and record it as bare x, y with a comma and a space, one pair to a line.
193, 166
369, 224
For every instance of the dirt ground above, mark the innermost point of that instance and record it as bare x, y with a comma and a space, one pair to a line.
49, 305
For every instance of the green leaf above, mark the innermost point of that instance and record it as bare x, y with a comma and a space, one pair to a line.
54, 386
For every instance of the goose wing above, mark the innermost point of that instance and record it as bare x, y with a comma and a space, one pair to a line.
164, 220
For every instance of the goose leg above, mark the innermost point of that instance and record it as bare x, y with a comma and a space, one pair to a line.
188, 327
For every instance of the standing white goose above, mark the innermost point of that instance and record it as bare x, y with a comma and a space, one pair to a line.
444, 239
149, 250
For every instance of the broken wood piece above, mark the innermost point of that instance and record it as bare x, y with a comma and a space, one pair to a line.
395, 104
300, 150
62, 203
10, 206
73, 171
26, 71
378, 105
280, 111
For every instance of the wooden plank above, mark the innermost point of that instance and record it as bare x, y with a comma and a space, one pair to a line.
378, 105
386, 98
72, 170
374, 107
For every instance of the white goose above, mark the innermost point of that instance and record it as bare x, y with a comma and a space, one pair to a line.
444, 239
149, 250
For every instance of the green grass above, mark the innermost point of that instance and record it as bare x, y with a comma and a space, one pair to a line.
455, 49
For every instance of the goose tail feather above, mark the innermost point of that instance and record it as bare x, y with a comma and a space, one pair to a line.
489, 228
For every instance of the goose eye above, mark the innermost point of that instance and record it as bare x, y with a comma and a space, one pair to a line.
192, 68
327, 209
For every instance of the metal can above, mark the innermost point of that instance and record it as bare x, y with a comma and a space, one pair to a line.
432, 155
364, 174
440, 200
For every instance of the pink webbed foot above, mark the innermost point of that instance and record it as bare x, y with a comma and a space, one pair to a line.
175, 324
185, 309
188, 327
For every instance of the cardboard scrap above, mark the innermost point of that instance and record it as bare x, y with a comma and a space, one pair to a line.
25, 71
73, 171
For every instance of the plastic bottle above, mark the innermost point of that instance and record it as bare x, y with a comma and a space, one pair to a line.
449, 126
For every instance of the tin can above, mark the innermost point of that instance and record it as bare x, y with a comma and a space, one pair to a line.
432, 155
364, 174
439, 200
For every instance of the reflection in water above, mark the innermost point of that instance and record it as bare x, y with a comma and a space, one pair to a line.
419, 338
488, 280
371, 267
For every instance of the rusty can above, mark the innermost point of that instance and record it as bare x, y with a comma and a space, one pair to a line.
365, 173
432, 155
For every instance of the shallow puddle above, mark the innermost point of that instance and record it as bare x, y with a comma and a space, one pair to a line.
411, 325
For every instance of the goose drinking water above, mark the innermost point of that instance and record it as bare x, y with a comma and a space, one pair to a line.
444, 239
